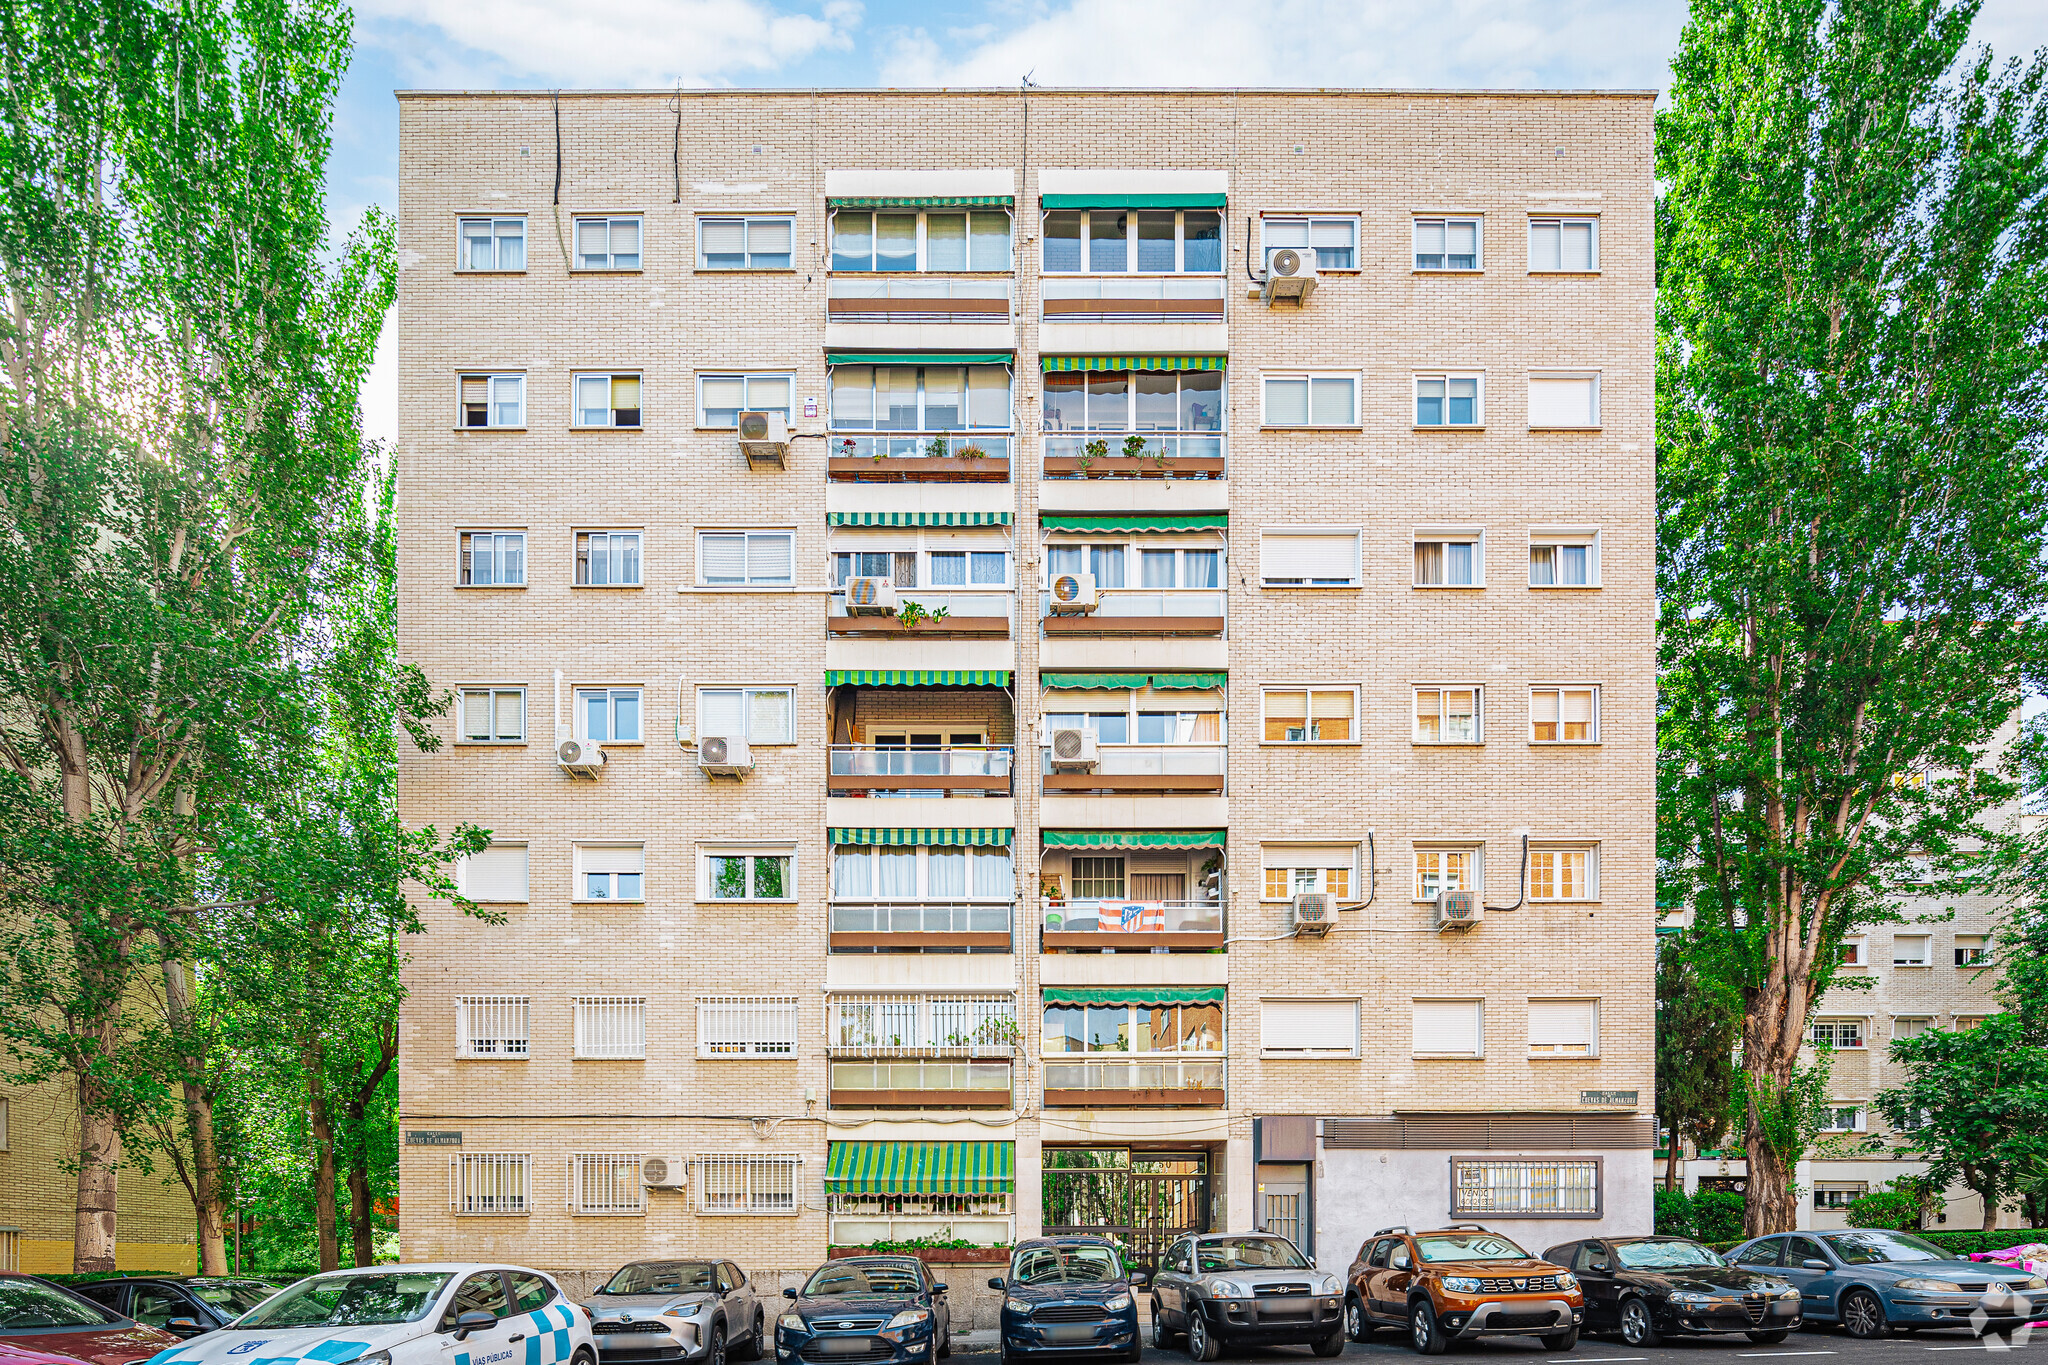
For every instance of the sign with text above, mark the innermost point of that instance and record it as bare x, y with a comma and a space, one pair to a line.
416, 1137
1607, 1097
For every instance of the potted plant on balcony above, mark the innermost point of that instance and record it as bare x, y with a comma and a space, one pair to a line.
995, 1038
1090, 453
910, 614
971, 451
936, 447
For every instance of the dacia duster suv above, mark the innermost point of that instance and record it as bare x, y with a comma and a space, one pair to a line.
1458, 1282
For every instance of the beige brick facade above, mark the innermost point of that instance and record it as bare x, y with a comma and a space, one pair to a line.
39, 1196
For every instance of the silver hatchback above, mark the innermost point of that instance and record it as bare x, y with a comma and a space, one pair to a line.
703, 1312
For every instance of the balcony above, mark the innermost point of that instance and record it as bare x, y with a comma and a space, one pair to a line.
919, 926
920, 1085
901, 1025
864, 299
1127, 926
1133, 1084
905, 770
1134, 300
1141, 611
919, 456
1187, 769
949, 615
1163, 455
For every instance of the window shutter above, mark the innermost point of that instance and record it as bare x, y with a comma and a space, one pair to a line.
1308, 1025
906, 569
476, 715
611, 857
723, 236
496, 874
723, 712
1563, 403
511, 715
768, 559
1449, 1027
1575, 251
591, 237
768, 237
475, 389
1329, 705
723, 559
1562, 1025
1308, 557
626, 237
1306, 855
1331, 233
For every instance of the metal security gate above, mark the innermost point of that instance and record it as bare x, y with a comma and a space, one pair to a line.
1144, 1200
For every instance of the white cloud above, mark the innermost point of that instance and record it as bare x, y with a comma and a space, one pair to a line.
380, 386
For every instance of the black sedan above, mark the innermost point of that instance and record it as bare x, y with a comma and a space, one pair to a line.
866, 1310
1648, 1288
183, 1305
1069, 1296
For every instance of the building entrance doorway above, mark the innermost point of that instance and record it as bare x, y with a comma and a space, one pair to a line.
1144, 1199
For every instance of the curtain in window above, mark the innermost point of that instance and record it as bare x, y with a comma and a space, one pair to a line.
946, 873
988, 396
1155, 568
896, 397
1200, 568
896, 874
992, 877
945, 241
943, 397
1108, 562
853, 872
771, 722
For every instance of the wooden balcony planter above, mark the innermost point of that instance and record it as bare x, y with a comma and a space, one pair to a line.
917, 941
919, 469
1206, 783
1094, 623
1124, 466
1054, 940
994, 627
1136, 310
1133, 1099
921, 1099
926, 782
939, 310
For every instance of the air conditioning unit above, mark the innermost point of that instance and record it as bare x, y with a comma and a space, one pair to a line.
1074, 750
1311, 913
579, 757
1458, 910
764, 439
664, 1172
1290, 273
1073, 592
870, 597
725, 756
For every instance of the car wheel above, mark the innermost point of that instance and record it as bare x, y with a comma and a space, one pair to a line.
584, 1356
1863, 1316
1423, 1334
1636, 1327
750, 1349
1767, 1338
716, 1355
1561, 1341
1162, 1335
1202, 1343
1331, 1345
1357, 1325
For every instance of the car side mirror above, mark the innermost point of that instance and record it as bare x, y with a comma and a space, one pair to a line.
476, 1320
1600, 1268
938, 1289
1814, 1263
995, 1282
184, 1327
1140, 1277
789, 1293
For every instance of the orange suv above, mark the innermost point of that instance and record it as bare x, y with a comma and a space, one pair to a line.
1458, 1282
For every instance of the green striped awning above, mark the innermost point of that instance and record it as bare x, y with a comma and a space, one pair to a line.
917, 677
1181, 199
973, 838
1132, 995
1133, 521
921, 201
1055, 363
921, 1168
919, 357
1131, 838
917, 518
1164, 682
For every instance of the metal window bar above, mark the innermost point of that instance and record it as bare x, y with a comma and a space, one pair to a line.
611, 1026
10, 1248
746, 1026
936, 917
1118, 915
736, 1184
489, 1182
904, 445
492, 1026
921, 1025
919, 1075
1486, 1187
606, 1182
994, 1204
1282, 1216
955, 603
904, 760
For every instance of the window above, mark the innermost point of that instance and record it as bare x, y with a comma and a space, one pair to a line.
1912, 1120
1972, 950
1308, 559
1562, 874
1447, 243
1335, 239
490, 1182
749, 876
1447, 400
1842, 1118
1449, 1028
1308, 1028
752, 559
609, 872
746, 1026
1850, 953
494, 400
1310, 400
611, 1027
492, 559
1311, 715
1838, 1194
1296, 869
608, 400
1564, 558
747, 1184
3, 1139
936, 241
1445, 869
607, 559
1910, 1025
492, 1026
745, 243
1097, 878
608, 243
1134, 726
935, 872
1454, 561
608, 715
1564, 401
1564, 244
492, 244
1909, 950
921, 397
1134, 400
10, 1241
1969, 1021
1564, 1028
1553, 1188
764, 715
1144, 241
604, 1182
496, 875
1148, 567
1194, 1027
493, 715
968, 568
1839, 1034
721, 398
1564, 715
1447, 715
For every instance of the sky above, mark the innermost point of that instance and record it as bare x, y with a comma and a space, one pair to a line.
654, 44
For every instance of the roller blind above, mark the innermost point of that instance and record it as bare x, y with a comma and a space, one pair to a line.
1308, 558
1562, 1024
475, 389
723, 236
511, 714
1310, 855
1564, 402
496, 874
768, 559
1447, 1027
612, 857
1308, 1025
722, 559
476, 713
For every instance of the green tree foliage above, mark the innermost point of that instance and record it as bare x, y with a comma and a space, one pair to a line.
1975, 1104
1698, 1021
1851, 485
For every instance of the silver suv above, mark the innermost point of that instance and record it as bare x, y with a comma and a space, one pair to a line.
702, 1312
1244, 1289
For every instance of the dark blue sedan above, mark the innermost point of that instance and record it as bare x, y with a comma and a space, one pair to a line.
866, 1310
1874, 1282
1069, 1296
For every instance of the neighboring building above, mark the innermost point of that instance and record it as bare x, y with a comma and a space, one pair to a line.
968, 756
155, 1227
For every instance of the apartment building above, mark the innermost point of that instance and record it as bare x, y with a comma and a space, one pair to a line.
1034, 660
154, 1222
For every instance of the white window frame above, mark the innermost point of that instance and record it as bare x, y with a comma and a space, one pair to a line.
579, 719
1965, 943
471, 1169
747, 379
462, 551
492, 695
1180, 244
747, 692
1087, 716
611, 378
1310, 221
1560, 1051
1926, 950
1444, 537
1558, 689
526, 853
1309, 1054
508, 1019
1855, 949
766, 1017
1478, 691
1837, 1028
1474, 868
579, 890
620, 1171
491, 379
1858, 1110
497, 222
1419, 377
1478, 1006
1350, 533
1592, 376
1591, 221
925, 550
922, 853
611, 221
753, 1164
787, 220
1266, 691
922, 252
1590, 882
843, 427
579, 565
787, 533
706, 852
1126, 424
1311, 378
1926, 1022
1557, 537
1444, 219
610, 1028
1274, 857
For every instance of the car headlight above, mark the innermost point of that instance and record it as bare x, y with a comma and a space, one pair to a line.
1567, 1280
1228, 1289
1331, 1285
2036, 1283
1461, 1284
1690, 1296
792, 1322
684, 1310
1118, 1304
1932, 1286
910, 1317
1789, 1292
1017, 1305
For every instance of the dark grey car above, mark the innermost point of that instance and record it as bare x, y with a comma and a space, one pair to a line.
1244, 1289
683, 1310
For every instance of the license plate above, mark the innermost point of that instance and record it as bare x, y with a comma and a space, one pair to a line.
1071, 1331
843, 1346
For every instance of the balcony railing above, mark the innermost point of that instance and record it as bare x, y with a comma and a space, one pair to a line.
918, 300
1117, 1085
919, 456
921, 770
916, 1085
921, 1025
1143, 768
1141, 611
919, 926
984, 614
1142, 299
1130, 926
1167, 455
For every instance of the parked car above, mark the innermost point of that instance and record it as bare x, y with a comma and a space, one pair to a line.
446, 1314
40, 1319
1648, 1288
1872, 1281
1069, 1296
183, 1305
866, 1310
1244, 1289
678, 1310
1449, 1284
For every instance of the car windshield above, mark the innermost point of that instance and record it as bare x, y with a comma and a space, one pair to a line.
1247, 1253
236, 1296
832, 1281
1664, 1255
350, 1301
1066, 1265
1875, 1248
661, 1277
1468, 1246
32, 1306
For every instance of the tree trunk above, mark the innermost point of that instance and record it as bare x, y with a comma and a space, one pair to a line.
1671, 1179
323, 1158
360, 1213
1990, 1214
99, 1183
206, 1187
